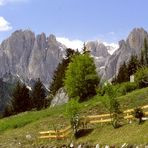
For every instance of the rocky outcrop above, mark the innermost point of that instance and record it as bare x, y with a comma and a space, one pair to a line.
45, 56
132, 45
97, 49
100, 54
30, 56
60, 98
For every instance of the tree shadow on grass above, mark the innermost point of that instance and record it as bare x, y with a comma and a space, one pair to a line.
83, 132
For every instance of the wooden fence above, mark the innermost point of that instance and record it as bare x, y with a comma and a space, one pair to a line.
55, 134
127, 114
104, 118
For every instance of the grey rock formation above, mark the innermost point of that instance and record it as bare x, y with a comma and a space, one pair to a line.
97, 49
100, 54
30, 56
60, 98
131, 46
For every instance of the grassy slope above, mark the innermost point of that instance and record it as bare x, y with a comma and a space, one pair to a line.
13, 130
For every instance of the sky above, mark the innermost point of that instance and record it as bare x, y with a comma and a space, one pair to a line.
74, 21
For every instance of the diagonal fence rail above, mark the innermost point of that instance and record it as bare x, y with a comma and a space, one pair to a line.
56, 134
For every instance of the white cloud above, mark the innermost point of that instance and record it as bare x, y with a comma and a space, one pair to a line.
78, 44
4, 25
74, 44
113, 47
4, 2
111, 44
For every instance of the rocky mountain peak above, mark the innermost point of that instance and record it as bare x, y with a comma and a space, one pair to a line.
52, 38
121, 43
136, 37
132, 45
41, 37
97, 49
30, 56
40, 42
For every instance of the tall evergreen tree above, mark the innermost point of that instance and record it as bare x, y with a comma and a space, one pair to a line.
142, 58
59, 73
20, 98
84, 49
8, 110
69, 53
16, 98
122, 74
38, 95
133, 65
26, 100
146, 51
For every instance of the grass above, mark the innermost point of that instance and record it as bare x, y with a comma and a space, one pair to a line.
25, 118
13, 130
134, 99
130, 133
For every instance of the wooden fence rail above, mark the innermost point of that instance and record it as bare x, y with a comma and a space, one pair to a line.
59, 134
104, 118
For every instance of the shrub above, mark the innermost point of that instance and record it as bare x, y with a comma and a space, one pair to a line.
72, 111
121, 89
117, 119
113, 105
101, 91
141, 77
130, 86
138, 113
126, 87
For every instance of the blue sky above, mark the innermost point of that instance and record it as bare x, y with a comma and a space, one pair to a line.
106, 20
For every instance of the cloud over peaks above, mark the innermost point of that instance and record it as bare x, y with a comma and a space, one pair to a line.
74, 44
4, 25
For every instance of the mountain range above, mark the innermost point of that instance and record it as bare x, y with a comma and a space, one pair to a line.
131, 46
28, 56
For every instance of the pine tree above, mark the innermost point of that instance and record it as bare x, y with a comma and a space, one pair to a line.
133, 65
122, 74
8, 110
59, 73
26, 100
20, 98
84, 49
142, 58
146, 51
16, 98
38, 95
69, 53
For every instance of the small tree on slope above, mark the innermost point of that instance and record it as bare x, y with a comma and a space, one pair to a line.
81, 77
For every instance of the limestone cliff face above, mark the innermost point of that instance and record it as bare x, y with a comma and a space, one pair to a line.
131, 46
100, 54
97, 49
30, 56
45, 56
25, 56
